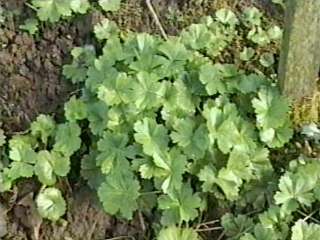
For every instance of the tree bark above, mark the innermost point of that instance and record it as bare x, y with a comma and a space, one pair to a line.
300, 57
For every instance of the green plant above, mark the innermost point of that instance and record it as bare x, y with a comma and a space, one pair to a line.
31, 26
253, 19
110, 5
280, 2
177, 233
168, 129
298, 190
54, 10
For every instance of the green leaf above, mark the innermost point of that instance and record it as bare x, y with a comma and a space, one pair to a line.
147, 201
252, 16
180, 205
230, 131
173, 165
250, 83
152, 136
304, 231
80, 6
220, 37
101, 72
52, 10
235, 133
208, 176
119, 193
110, 5
44, 170
194, 141
174, 51
43, 127
75, 109
216, 114
275, 33
178, 102
106, 29
247, 236
236, 226
60, 164
118, 91
21, 149
260, 162
145, 52
293, 190
113, 51
226, 16
268, 135
174, 117
90, 171
49, 165
239, 162
114, 151
148, 169
263, 233
98, 117
247, 54
280, 2
50, 204
267, 59
259, 36
211, 76
5, 180
83, 57
20, 169
275, 223
240, 167
175, 233
148, 91
276, 138
271, 109
229, 182
196, 36
67, 140
30, 25
174, 59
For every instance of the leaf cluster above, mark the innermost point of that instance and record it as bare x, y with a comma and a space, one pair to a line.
43, 152
54, 10
166, 114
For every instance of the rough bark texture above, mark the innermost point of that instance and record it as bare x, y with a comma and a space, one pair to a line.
300, 57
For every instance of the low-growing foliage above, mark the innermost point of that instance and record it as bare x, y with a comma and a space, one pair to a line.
169, 115
54, 10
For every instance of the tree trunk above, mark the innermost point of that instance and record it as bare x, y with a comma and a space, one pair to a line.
300, 56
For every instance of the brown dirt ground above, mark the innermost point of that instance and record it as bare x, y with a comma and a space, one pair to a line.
30, 67
31, 83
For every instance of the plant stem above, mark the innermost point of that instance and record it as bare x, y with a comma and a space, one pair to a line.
156, 18
152, 192
209, 229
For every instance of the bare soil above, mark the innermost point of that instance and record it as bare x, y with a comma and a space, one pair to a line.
30, 66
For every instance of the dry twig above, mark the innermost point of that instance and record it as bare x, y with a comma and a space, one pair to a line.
156, 18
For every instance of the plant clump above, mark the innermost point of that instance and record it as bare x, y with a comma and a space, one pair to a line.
169, 130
